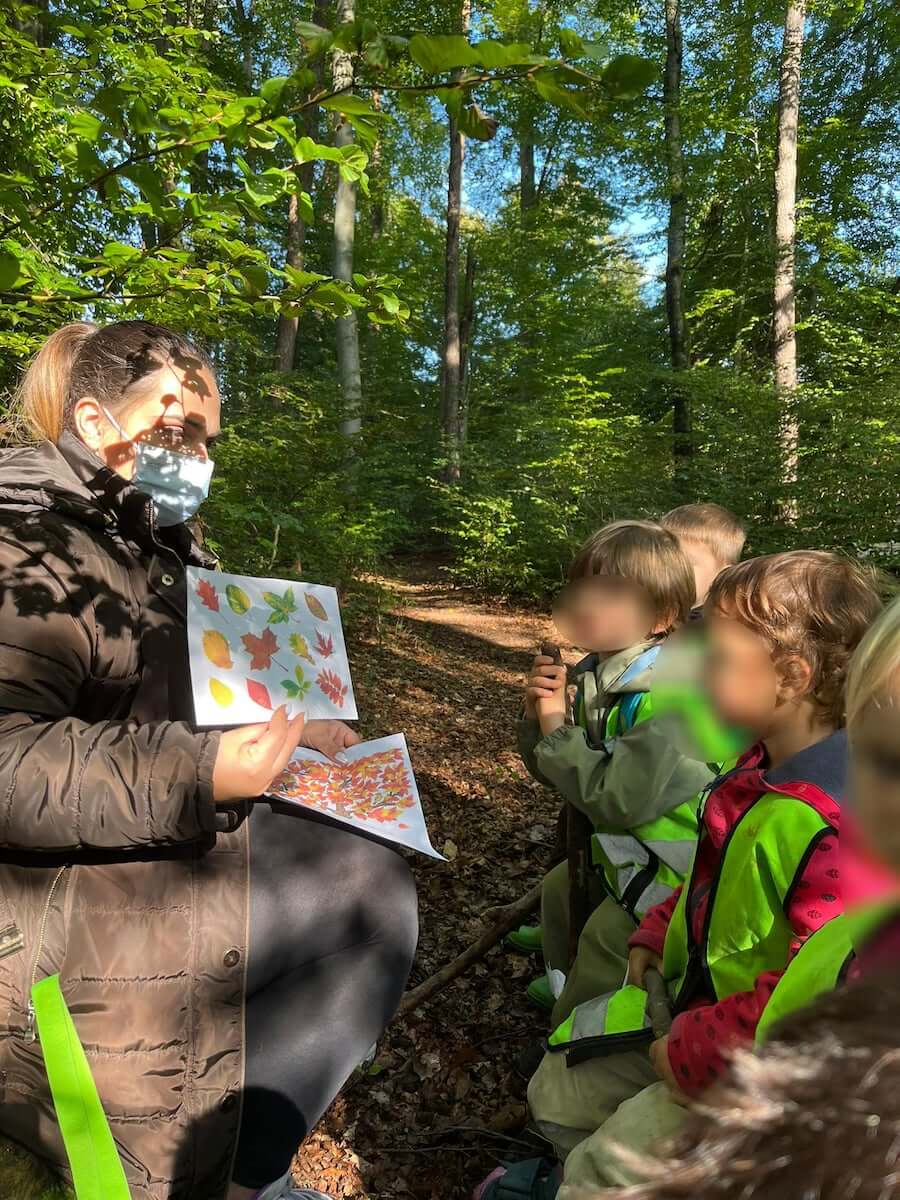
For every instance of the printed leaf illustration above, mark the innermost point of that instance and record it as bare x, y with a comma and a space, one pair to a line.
208, 595
259, 693
238, 600
300, 647
315, 606
260, 648
216, 649
325, 646
331, 685
282, 606
297, 690
221, 693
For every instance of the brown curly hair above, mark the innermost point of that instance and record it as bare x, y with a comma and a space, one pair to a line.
806, 603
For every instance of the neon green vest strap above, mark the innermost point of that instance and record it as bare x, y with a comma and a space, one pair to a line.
97, 1172
816, 968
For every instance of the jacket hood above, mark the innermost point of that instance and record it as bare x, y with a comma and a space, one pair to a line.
69, 479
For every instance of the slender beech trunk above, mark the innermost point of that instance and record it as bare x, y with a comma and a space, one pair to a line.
466, 330
451, 356
286, 340
376, 176
678, 350
784, 305
527, 205
347, 330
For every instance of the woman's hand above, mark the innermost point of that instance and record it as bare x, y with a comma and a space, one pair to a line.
640, 958
329, 737
252, 757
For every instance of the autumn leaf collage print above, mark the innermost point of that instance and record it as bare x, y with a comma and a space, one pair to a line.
291, 653
376, 789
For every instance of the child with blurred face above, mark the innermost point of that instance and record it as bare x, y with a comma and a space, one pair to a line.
711, 539
629, 585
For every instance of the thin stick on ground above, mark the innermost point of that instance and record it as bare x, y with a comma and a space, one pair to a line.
503, 920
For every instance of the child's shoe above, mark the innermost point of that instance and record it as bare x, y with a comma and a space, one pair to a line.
541, 994
527, 939
534, 1179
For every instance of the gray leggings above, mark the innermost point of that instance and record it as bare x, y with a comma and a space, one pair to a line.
333, 929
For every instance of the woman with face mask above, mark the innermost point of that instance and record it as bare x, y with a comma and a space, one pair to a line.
226, 963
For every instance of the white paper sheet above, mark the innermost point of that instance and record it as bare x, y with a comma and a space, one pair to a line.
258, 643
373, 789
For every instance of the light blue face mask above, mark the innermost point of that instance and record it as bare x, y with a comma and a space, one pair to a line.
176, 483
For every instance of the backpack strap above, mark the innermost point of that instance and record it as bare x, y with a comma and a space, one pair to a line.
628, 707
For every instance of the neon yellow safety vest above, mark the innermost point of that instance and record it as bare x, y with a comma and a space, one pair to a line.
822, 962
819, 966
746, 930
642, 866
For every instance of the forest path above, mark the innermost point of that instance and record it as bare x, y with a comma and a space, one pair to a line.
447, 668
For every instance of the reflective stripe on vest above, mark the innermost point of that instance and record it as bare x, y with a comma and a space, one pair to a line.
616, 1016
818, 966
746, 930
645, 865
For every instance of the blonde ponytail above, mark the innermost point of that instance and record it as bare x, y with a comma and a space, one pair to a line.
40, 399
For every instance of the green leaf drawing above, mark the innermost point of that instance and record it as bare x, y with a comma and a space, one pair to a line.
281, 606
296, 691
238, 600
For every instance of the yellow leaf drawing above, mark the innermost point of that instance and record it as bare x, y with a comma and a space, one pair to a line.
315, 606
221, 693
216, 649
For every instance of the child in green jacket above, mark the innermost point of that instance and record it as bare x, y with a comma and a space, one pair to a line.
629, 585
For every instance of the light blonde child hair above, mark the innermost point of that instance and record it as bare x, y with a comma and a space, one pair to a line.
711, 524
875, 663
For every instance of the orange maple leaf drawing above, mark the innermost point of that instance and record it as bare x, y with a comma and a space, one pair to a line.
260, 648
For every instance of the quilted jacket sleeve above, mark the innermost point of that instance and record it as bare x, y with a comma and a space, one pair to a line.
66, 784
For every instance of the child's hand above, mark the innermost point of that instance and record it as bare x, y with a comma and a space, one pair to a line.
640, 958
546, 692
659, 1057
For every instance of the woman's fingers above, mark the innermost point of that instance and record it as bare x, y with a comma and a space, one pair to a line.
289, 741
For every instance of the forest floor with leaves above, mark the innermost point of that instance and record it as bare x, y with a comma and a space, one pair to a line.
441, 1105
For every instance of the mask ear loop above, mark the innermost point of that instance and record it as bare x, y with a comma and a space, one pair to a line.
115, 424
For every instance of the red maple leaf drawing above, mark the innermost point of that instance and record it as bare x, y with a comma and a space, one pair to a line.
260, 648
325, 646
331, 684
259, 694
208, 595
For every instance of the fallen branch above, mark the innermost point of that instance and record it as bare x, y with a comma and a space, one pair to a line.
503, 918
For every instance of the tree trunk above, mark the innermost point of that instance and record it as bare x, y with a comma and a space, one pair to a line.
286, 340
527, 205
466, 328
784, 306
682, 445
347, 330
243, 20
376, 176
451, 356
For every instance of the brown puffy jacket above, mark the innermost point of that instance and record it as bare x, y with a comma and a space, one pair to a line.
116, 869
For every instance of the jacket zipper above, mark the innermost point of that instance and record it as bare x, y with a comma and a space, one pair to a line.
30, 1035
